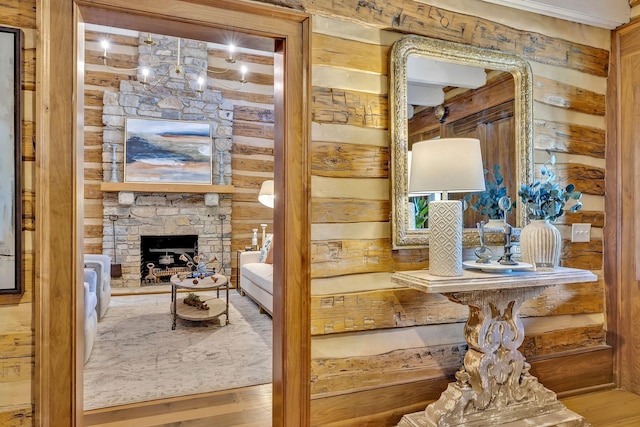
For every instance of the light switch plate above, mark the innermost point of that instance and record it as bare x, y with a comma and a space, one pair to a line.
580, 232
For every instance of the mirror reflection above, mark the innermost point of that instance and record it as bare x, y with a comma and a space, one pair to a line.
447, 90
469, 103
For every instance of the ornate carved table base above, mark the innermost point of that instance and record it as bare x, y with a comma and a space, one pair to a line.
494, 387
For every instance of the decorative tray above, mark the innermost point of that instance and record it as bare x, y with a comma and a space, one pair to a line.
496, 267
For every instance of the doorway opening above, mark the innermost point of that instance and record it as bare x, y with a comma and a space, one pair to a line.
159, 231
58, 397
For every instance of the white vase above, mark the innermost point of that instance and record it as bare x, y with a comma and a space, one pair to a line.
540, 244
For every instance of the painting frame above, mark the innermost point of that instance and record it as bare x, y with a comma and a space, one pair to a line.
163, 151
11, 40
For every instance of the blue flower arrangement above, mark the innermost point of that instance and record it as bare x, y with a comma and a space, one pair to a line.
487, 201
546, 199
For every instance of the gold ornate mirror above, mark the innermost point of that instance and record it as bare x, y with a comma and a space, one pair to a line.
492, 102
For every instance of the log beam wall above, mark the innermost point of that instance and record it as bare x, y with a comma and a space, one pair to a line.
350, 195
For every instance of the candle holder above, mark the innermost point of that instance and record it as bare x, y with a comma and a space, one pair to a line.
114, 175
254, 240
221, 168
264, 233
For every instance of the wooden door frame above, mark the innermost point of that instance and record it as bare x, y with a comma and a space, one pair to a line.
612, 232
59, 189
622, 255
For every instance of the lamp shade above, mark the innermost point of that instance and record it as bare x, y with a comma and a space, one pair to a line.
452, 165
266, 196
448, 165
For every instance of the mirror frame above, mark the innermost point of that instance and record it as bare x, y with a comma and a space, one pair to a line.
402, 236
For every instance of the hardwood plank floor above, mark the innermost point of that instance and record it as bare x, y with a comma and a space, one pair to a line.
608, 408
251, 407
246, 407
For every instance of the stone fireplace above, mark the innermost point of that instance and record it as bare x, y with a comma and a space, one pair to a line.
131, 215
165, 215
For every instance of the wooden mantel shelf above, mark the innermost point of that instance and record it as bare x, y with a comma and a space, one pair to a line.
164, 188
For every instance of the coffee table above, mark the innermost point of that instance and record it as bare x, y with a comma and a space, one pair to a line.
217, 306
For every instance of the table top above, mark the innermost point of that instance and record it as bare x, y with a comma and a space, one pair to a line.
475, 280
207, 283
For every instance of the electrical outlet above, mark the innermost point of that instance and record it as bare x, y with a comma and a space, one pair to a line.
580, 232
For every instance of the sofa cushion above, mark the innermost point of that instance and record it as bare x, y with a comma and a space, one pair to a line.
90, 318
91, 279
259, 273
90, 300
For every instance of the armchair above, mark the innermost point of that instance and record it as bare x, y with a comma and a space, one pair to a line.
102, 266
90, 315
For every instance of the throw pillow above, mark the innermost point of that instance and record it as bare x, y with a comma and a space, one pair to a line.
269, 259
265, 250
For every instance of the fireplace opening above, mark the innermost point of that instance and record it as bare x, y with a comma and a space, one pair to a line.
159, 256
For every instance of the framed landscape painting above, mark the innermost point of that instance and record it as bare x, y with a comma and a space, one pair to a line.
10, 161
167, 151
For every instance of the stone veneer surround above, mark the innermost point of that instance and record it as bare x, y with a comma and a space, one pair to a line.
166, 213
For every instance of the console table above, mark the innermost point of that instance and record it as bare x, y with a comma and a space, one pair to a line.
494, 386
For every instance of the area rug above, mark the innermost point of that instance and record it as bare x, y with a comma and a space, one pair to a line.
137, 357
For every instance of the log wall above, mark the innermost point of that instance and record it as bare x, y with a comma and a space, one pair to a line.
352, 260
17, 349
368, 337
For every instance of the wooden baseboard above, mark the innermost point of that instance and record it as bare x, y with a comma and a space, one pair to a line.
565, 374
585, 390
575, 370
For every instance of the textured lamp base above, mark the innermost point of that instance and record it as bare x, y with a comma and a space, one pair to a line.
445, 238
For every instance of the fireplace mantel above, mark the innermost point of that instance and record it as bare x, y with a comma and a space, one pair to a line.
144, 187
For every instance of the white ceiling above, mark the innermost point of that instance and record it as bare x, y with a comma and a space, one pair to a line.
426, 79
599, 13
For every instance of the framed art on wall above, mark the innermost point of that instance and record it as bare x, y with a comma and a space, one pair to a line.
167, 151
10, 161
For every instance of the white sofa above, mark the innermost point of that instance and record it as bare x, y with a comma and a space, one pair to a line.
90, 314
256, 280
102, 266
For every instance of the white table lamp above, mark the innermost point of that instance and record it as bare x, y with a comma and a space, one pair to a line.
448, 165
266, 195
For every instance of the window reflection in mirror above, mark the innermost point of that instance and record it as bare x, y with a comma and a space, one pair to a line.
448, 90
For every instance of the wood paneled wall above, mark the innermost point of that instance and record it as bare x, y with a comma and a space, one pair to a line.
253, 134
363, 328
17, 348
352, 259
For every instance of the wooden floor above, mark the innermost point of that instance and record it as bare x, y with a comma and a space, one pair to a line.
607, 408
251, 407
246, 407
